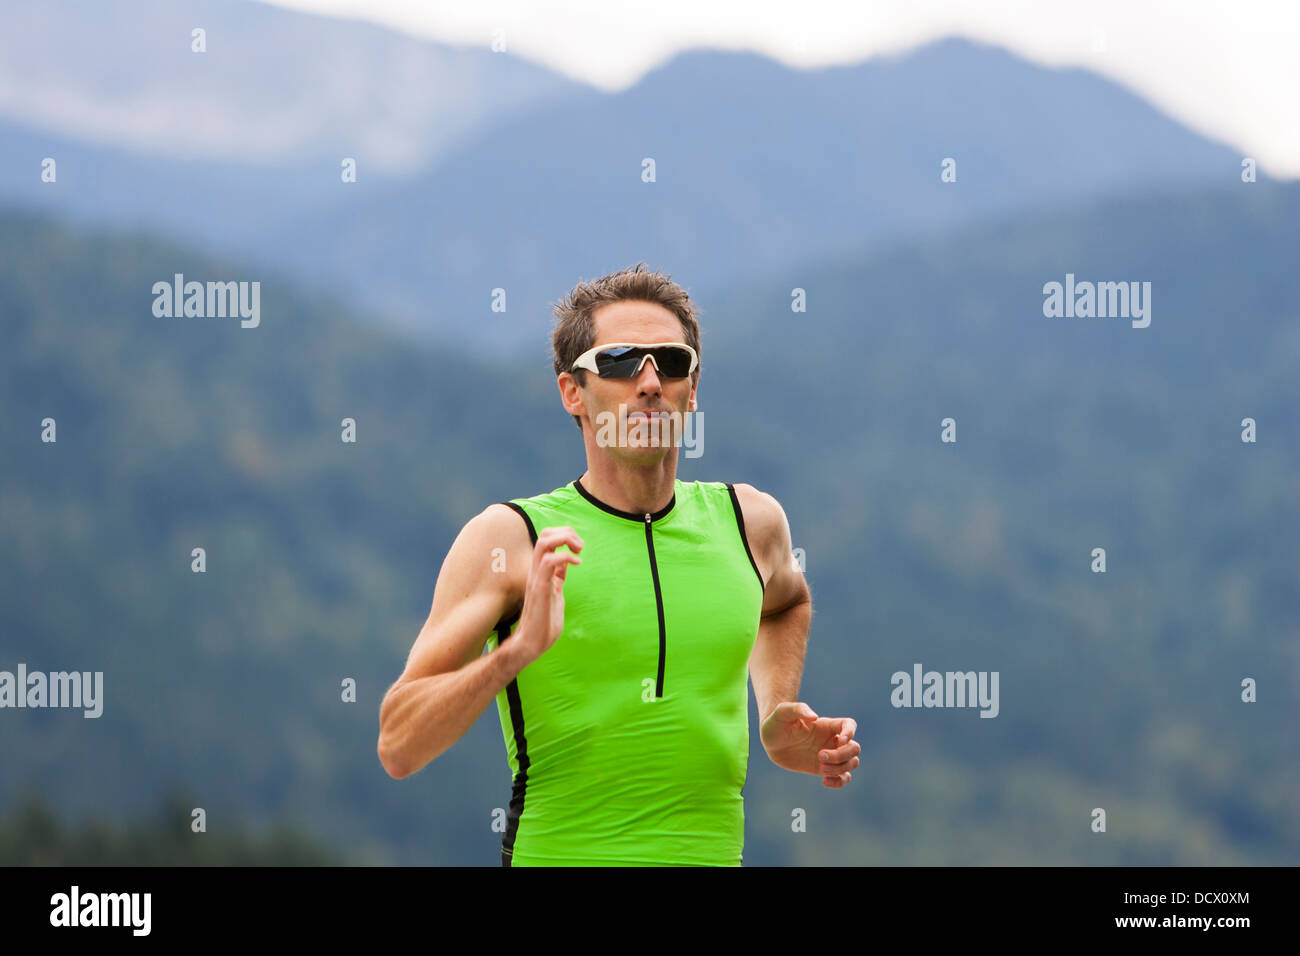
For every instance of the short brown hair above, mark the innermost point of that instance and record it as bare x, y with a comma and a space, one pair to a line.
575, 330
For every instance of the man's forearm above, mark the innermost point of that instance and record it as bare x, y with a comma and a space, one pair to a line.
420, 720
776, 663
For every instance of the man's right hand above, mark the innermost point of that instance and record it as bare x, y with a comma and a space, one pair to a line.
542, 618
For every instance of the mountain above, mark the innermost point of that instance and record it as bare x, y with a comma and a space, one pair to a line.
273, 87
1118, 690
321, 555
756, 165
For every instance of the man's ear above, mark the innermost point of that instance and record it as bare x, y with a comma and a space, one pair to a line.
570, 391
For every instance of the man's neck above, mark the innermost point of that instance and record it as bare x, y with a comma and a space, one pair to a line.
635, 490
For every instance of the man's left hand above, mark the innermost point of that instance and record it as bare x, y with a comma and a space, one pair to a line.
795, 738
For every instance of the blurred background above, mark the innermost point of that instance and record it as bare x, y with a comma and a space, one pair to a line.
492, 153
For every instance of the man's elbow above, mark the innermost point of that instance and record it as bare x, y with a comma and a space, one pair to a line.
805, 600
391, 761
394, 767
398, 764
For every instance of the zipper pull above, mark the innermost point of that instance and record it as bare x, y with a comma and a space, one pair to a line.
647, 517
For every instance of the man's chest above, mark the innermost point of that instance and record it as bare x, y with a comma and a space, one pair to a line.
654, 615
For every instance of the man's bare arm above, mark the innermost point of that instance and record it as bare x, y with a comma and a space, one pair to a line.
776, 663
448, 681
446, 684
793, 734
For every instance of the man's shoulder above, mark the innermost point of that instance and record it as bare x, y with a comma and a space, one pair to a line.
765, 523
760, 508
524, 512
565, 492
498, 522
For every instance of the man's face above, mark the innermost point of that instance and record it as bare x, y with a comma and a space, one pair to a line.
621, 404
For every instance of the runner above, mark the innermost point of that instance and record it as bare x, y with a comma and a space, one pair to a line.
621, 613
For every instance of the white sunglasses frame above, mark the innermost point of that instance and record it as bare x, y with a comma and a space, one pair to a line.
587, 359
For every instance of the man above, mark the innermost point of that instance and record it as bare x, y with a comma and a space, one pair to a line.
620, 613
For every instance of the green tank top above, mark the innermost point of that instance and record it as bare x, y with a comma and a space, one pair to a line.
628, 740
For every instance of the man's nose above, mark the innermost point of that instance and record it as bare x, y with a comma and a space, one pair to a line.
648, 378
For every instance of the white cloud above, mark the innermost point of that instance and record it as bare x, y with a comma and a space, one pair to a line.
1227, 70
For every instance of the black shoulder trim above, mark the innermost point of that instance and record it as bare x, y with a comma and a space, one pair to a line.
740, 522
519, 788
532, 532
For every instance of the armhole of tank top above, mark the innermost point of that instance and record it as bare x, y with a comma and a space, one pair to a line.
528, 522
506, 623
744, 538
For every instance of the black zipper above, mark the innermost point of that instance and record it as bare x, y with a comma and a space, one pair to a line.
659, 603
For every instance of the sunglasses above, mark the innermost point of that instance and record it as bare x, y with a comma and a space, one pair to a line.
625, 359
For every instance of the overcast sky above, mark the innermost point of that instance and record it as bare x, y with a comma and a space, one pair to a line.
1229, 70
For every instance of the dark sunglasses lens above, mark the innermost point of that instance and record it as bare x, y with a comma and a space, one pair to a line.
674, 363
619, 362
624, 362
